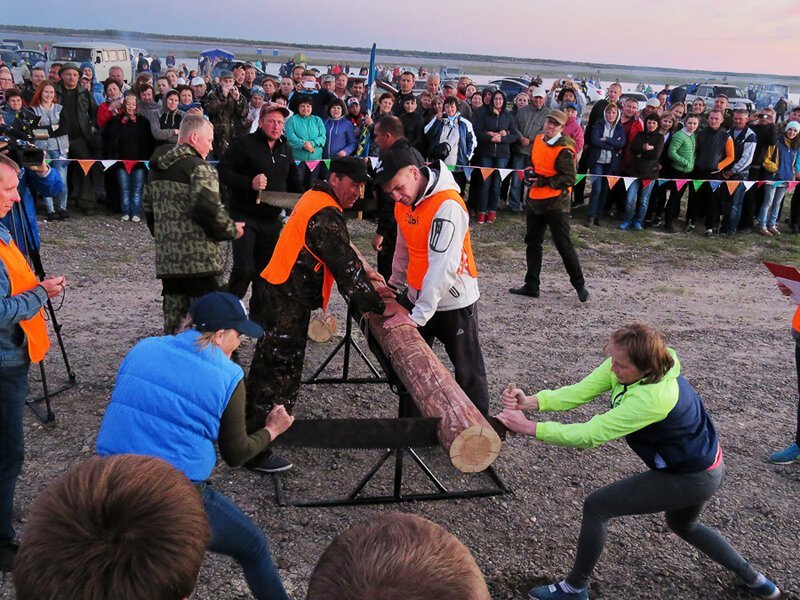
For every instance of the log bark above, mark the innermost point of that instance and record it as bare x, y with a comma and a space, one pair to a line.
473, 445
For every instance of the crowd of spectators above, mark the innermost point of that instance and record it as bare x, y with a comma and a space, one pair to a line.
658, 152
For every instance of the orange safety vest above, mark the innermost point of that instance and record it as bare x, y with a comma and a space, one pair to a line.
415, 225
293, 239
543, 157
796, 320
22, 280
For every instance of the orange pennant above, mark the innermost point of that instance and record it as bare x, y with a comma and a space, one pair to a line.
486, 172
86, 164
612, 181
732, 185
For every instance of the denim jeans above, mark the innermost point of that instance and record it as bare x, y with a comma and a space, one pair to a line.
13, 391
518, 162
771, 207
61, 168
597, 198
235, 535
490, 188
733, 212
131, 187
631, 214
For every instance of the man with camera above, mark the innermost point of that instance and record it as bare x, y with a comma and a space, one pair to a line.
23, 340
309, 88
226, 108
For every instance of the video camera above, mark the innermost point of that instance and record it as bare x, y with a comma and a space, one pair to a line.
16, 139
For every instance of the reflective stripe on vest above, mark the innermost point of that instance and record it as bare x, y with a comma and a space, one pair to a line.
543, 157
796, 320
293, 239
23, 280
415, 225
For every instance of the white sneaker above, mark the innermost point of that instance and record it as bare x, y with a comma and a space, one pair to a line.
135, 219
125, 218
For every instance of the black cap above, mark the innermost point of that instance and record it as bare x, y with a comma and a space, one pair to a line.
352, 167
392, 161
221, 310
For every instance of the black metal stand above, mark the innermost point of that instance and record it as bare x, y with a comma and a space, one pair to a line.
347, 343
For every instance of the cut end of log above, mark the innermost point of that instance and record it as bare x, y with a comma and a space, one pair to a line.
475, 449
321, 327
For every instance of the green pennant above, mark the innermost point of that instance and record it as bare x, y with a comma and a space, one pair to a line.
696, 183
327, 162
580, 178
451, 167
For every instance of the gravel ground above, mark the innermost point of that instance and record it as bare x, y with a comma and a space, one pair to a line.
714, 300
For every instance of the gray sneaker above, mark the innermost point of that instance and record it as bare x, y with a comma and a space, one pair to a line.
268, 462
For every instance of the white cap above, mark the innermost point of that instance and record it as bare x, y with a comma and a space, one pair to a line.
539, 93
198, 81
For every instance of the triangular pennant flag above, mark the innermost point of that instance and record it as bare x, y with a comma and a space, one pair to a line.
732, 185
468, 171
714, 185
327, 162
696, 183
792, 185
147, 165
748, 184
504, 173
451, 168
761, 183
374, 161
129, 164
107, 164
312, 164
612, 181
578, 178
662, 182
47, 161
776, 184
521, 175
680, 184
646, 182
486, 172
628, 181
86, 165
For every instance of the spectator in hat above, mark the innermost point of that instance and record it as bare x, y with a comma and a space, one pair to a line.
307, 88
530, 121
573, 128
450, 88
340, 134
191, 378
356, 116
328, 82
226, 108
257, 96
652, 107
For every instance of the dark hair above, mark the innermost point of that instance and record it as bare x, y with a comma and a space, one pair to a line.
502, 95
143, 88
123, 526
171, 92
337, 102
646, 349
391, 125
278, 95
396, 556
654, 117
108, 82
451, 100
13, 93
386, 95
304, 99
184, 87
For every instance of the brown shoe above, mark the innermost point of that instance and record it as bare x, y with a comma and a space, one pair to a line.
774, 231
763, 231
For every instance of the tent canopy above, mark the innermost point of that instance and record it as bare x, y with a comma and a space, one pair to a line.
217, 53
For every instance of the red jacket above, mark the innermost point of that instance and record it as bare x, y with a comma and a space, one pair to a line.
632, 128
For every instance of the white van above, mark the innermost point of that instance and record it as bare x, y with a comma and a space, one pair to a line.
102, 55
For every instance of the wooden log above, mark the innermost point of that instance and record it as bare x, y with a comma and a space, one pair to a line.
322, 327
473, 445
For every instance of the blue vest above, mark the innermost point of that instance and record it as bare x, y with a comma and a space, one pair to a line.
167, 402
685, 441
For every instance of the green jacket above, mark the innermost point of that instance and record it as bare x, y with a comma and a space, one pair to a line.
681, 151
633, 407
184, 213
305, 129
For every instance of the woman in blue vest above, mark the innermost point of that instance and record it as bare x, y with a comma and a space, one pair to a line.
177, 395
664, 422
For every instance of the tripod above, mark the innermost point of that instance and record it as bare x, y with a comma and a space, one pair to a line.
27, 241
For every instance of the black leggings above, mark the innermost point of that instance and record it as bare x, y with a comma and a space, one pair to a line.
681, 496
797, 362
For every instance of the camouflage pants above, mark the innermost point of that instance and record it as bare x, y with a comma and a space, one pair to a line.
277, 366
175, 308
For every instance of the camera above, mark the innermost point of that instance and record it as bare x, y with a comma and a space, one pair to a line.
440, 151
16, 138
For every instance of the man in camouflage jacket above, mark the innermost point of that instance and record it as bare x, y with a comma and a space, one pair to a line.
226, 109
188, 221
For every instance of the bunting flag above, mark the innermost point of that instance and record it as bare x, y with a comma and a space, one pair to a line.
612, 181
129, 164
374, 161
578, 179
748, 185
327, 162
312, 164
505, 173
147, 165
792, 185
714, 185
776, 184
521, 176
680, 184
628, 182
486, 172
662, 182
696, 183
451, 168
646, 182
732, 186
86, 164
760, 183
468, 171
107, 164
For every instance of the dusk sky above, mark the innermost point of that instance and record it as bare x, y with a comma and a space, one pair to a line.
731, 36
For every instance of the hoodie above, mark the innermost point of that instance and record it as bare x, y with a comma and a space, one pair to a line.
607, 140
447, 284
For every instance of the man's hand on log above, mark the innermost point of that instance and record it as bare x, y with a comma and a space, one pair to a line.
398, 320
515, 399
278, 421
515, 421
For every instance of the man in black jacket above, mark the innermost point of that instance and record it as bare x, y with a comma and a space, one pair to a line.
254, 163
309, 87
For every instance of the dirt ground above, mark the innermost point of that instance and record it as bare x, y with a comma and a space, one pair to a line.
713, 298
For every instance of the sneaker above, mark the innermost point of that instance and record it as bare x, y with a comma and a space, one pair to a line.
524, 291
625, 225
764, 231
481, 218
787, 456
709, 233
135, 219
636, 226
268, 462
8, 554
491, 216
774, 230
583, 294
125, 218
657, 222
763, 590
554, 592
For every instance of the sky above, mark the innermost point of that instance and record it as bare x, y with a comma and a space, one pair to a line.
736, 35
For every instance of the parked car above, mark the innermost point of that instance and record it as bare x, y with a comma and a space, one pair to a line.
709, 91
450, 72
103, 55
591, 92
764, 95
510, 86
638, 96
12, 44
32, 57
9, 56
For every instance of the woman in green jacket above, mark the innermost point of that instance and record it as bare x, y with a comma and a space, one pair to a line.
681, 152
663, 420
305, 132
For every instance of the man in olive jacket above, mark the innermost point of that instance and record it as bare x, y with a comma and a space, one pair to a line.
184, 213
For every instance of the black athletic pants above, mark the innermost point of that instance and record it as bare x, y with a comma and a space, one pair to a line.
251, 254
558, 222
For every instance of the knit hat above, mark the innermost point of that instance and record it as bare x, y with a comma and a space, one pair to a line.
793, 125
71, 65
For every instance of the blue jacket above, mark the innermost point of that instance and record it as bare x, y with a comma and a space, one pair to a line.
466, 138
167, 402
615, 143
25, 231
788, 162
339, 135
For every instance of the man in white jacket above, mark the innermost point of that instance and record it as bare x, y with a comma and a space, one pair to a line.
434, 258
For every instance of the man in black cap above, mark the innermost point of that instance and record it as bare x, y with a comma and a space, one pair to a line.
434, 258
313, 251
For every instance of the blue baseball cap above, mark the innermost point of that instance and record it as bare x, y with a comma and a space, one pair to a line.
221, 310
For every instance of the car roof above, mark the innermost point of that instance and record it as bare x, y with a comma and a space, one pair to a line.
90, 45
